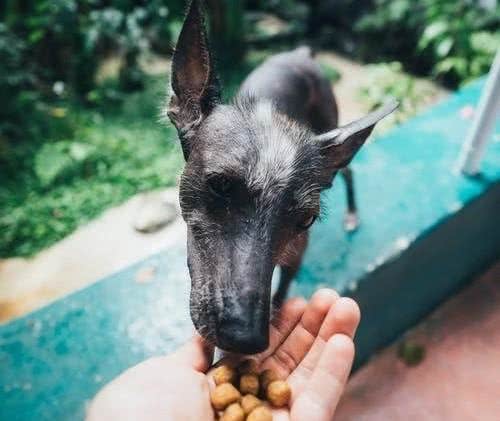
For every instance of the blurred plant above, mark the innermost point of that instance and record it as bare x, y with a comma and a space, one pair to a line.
16, 83
24, 111
454, 32
388, 81
332, 74
454, 39
49, 189
49, 42
59, 159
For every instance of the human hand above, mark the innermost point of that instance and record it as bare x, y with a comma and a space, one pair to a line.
172, 387
310, 346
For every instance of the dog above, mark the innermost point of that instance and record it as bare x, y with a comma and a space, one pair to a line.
253, 175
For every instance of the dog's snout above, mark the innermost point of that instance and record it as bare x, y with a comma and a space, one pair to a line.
243, 327
236, 336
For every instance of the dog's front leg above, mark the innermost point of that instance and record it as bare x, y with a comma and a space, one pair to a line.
289, 267
351, 220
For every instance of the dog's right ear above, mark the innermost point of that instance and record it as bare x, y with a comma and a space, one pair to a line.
195, 85
339, 146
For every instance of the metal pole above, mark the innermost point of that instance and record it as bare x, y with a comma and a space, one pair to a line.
482, 127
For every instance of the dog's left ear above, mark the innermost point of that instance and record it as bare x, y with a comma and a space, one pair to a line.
195, 85
339, 146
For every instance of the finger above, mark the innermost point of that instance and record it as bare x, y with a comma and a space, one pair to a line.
322, 392
196, 353
343, 317
281, 414
283, 323
290, 353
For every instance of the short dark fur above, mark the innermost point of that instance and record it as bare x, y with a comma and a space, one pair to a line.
252, 181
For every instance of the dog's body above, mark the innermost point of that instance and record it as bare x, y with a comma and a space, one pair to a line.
252, 181
294, 83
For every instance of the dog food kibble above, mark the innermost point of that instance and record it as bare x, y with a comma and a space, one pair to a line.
233, 412
260, 413
266, 377
278, 393
232, 404
249, 383
249, 403
224, 374
224, 395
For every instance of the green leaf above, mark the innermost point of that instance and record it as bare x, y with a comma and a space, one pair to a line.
36, 35
50, 163
432, 33
80, 151
444, 47
452, 64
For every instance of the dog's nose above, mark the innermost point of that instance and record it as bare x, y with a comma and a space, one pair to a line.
241, 338
242, 328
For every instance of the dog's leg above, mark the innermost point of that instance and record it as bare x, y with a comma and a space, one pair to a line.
351, 220
289, 268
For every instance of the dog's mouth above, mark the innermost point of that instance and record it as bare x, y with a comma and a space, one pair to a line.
238, 324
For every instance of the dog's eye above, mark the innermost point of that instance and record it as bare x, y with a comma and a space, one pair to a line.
307, 222
219, 185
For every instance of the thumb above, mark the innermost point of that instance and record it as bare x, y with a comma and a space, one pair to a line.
196, 353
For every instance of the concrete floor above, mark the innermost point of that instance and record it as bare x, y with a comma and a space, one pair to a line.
458, 378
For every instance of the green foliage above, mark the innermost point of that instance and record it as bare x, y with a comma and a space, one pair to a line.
49, 188
59, 159
50, 44
330, 73
16, 84
454, 39
388, 81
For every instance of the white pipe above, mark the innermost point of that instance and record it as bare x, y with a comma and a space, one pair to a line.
484, 122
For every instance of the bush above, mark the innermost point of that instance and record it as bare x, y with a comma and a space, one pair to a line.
50, 188
16, 84
388, 81
51, 50
455, 40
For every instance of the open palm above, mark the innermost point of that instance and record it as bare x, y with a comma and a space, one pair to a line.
310, 346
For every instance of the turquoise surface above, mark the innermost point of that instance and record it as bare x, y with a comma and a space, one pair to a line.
54, 360
407, 183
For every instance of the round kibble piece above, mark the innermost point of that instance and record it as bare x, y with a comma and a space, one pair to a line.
266, 377
248, 367
224, 395
249, 383
249, 403
224, 374
233, 412
278, 393
260, 413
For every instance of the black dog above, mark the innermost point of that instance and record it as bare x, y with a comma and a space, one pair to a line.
252, 181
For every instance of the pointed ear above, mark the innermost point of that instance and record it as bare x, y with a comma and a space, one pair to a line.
194, 83
340, 145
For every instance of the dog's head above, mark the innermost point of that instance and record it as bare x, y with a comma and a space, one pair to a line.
251, 185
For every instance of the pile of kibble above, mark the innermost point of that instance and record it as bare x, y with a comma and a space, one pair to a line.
242, 393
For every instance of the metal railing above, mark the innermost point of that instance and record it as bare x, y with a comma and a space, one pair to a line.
484, 122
